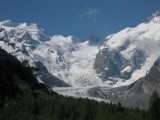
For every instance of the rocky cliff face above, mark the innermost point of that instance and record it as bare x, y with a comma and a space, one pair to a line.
135, 95
94, 40
130, 53
112, 64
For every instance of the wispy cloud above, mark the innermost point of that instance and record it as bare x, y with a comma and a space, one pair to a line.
93, 14
90, 14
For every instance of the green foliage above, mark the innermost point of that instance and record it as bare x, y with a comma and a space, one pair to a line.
48, 107
35, 102
154, 107
8, 89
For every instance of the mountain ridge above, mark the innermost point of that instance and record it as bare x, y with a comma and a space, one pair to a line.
123, 56
121, 59
59, 55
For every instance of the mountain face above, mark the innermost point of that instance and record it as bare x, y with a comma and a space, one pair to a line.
135, 95
128, 61
21, 40
63, 61
130, 53
121, 59
94, 40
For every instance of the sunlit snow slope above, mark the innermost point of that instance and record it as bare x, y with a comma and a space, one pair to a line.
121, 59
69, 60
130, 53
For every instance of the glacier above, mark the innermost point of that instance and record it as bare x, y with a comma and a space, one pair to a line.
68, 64
65, 58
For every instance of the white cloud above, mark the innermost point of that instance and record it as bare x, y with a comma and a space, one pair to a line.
150, 46
93, 14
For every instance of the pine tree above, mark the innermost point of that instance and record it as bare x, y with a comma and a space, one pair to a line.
154, 107
7, 87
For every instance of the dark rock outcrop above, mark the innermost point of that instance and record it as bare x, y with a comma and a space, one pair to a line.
135, 95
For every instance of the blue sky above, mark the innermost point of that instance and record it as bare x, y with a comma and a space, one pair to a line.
79, 18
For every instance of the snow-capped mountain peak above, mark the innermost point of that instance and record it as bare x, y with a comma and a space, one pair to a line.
64, 58
66, 61
130, 53
9, 23
154, 17
94, 40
